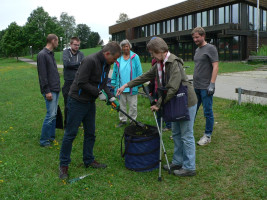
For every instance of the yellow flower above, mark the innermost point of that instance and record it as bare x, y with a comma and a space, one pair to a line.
1, 161
86, 188
1, 181
11, 127
64, 182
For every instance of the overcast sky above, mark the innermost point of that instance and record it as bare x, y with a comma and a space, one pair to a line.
97, 14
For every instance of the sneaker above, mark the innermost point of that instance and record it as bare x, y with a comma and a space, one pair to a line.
184, 172
172, 167
171, 138
204, 140
96, 164
121, 124
63, 172
45, 145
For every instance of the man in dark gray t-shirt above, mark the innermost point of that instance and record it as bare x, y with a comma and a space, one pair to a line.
205, 73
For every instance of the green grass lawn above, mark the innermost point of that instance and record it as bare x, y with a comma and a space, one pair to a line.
233, 166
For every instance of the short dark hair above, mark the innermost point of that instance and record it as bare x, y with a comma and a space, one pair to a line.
51, 37
113, 47
74, 38
198, 30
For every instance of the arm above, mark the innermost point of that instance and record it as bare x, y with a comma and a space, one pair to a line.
139, 70
42, 72
83, 77
151, 74
67, 62
114, 75
173, 83
215, 70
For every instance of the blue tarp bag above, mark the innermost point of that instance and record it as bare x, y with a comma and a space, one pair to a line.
141, 148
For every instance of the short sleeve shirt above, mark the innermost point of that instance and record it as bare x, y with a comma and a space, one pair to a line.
204, 57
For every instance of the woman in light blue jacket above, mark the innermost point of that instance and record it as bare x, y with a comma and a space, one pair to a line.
126, 68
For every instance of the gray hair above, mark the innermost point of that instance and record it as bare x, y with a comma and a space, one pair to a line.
124, 42
157, 45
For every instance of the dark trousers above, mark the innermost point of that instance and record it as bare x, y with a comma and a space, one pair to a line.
79, 112
65, 92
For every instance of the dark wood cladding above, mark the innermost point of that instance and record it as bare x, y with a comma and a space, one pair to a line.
189, 6
252, 44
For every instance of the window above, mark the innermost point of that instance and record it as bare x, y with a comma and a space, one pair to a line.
211, 17
185, 22
180, 24
168, 26
255, 18
152, 29
227, 12
158, 28
235, 14
163, 28
250, 18
204, 18
221, 15
143, 32
172, 25
235, 48
189, 21
198, 19
264, 20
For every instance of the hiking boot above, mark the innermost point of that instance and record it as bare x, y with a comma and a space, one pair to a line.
63, 172
184, 172
121, 124
172, 167
96, 164
204, 140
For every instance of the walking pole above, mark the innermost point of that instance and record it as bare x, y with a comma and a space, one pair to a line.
160, 135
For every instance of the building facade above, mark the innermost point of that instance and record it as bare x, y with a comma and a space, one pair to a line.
230, 25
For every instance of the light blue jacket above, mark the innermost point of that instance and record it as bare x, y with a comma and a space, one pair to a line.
118, 77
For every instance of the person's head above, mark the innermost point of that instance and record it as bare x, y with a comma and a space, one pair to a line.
125, 46
52, 41
75, 44
112, 52
158, 48
198, 35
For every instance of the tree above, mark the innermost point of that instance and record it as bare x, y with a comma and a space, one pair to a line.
13, 40
38, 26
2, 53
122, 18
94, 39
83, 32
68, 24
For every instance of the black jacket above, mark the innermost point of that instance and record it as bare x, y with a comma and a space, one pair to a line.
47, 70
71, 63
91, 78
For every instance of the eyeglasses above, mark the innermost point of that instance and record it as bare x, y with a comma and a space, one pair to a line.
77, 45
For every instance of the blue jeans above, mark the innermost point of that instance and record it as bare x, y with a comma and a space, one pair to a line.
184, 142
49, 125
79, 112
206, 101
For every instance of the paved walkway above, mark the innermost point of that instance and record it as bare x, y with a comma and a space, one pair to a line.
226, 83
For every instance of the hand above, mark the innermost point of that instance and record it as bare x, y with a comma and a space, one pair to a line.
211, 89
154, 108
101, 96
121, 89
49, 96
112, 99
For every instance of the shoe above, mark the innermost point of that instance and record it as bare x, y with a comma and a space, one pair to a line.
45, 145
184, 172
172, 167
121, 124
63, 172
204, 140
96, 164
166, 129
171, 138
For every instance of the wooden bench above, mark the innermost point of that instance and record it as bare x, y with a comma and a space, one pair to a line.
257, 58
249, 92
